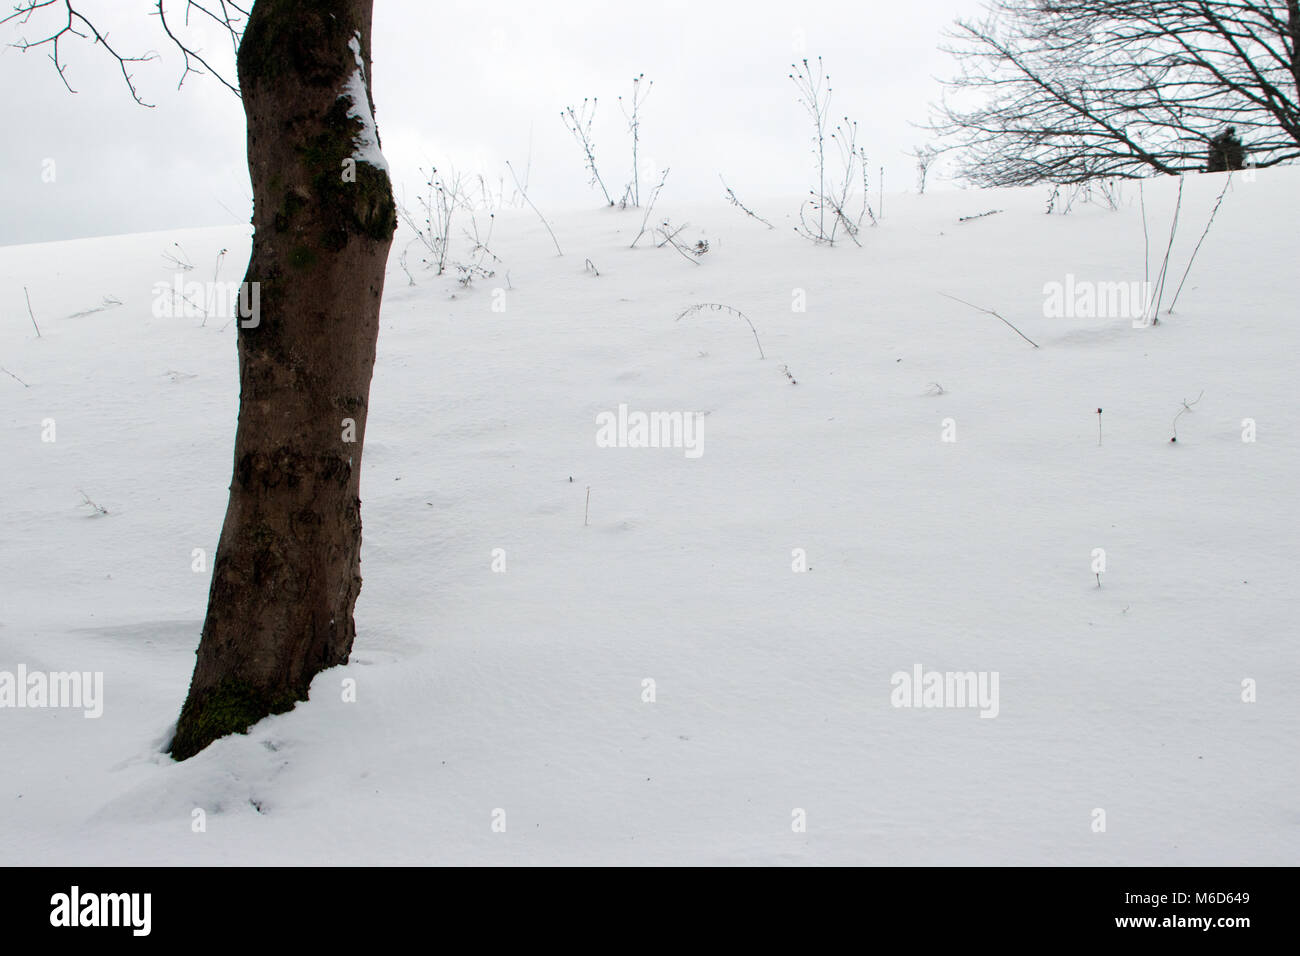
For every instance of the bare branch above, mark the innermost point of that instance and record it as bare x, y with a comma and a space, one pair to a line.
732, 198
992, 313
74, 24
230, 16
228, 20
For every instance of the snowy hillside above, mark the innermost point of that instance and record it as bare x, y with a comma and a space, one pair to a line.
663, 685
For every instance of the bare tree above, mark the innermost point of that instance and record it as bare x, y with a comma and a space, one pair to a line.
287, 569
1066, 91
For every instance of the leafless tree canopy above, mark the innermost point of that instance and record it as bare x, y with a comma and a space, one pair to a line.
46, 24
1066, 91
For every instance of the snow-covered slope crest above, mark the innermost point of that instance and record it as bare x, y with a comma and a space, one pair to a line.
915, 601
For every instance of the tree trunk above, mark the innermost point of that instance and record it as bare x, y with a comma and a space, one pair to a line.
287, 568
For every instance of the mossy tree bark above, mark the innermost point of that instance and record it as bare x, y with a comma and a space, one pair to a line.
287, 569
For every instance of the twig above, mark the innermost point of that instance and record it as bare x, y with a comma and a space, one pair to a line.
654, 197
718, 307
683, 253
14, 377
109, 302
991, 212
1187, 407
1164, 268
731, 198
580, 126
1146, 241
443, 195
992, 313
814, 94
24, 11
177, 262
591, 267
587, 511
99, 509
1214, 212
670, 238
849, 227
216, 271
30, 312
866, 204
634, 127
523, 192
226, 20
477, 270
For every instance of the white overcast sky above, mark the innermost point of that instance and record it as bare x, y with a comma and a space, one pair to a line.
468, 86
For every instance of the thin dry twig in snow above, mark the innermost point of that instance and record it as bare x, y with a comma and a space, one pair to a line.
1187, 407
14, 377
718, 307
31, 313
99, 509
992, 313
735, 201
523, 192
1214, 212
1146, 240
654, 196
1164, 267
690, 254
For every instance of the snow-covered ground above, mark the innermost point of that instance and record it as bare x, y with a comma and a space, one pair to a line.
480, 690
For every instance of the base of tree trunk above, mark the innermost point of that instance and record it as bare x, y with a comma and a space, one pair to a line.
230, 708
